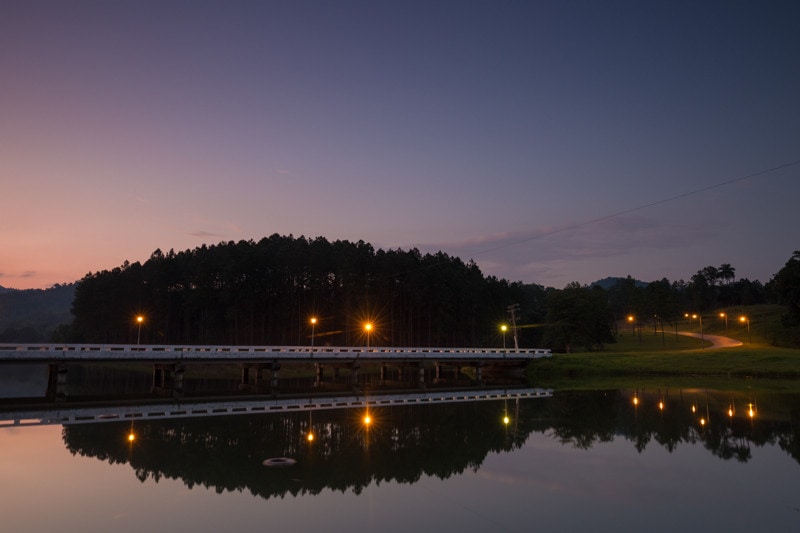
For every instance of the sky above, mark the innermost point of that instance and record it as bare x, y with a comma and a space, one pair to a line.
550, 142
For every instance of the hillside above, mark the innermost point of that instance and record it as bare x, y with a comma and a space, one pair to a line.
32, 315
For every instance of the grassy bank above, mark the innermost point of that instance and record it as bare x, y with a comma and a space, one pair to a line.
668, 359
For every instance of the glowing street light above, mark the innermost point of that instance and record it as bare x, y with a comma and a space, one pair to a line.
725, 316
313, 325
743, 319
700, 319
504, 328
368, 330
139, 320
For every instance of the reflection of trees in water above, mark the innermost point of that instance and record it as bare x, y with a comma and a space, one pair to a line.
585, 418
407, 442
226, 453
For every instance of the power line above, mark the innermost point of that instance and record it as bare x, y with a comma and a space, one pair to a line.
639, 208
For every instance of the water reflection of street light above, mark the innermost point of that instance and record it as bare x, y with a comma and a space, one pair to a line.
725, 316
743, 319
139, 320
504, 328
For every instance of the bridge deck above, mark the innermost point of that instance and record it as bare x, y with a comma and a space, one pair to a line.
157, 353
66, 414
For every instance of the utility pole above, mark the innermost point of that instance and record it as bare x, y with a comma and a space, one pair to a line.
512, 309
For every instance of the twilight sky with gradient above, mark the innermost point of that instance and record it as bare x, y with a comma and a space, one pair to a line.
549, 141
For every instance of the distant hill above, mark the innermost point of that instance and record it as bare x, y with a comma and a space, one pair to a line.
608, 283
32, 315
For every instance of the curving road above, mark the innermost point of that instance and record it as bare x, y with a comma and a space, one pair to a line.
716, 341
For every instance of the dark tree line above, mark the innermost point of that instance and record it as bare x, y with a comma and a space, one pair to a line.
664, 303
265, 292
784, 288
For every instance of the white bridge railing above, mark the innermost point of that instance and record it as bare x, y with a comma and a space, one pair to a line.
114, 413
127, 352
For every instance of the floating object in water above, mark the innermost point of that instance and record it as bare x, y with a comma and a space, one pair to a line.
279, 461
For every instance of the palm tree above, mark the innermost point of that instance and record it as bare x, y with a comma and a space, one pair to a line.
727, 272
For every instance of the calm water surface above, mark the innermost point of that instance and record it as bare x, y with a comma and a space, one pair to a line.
573, 462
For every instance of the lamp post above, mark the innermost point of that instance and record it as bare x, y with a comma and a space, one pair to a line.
313, 324
743, 319
504, 328
700, 318
725, 316
368, 330
139, 320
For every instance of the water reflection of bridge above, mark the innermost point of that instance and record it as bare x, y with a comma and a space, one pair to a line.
77, 414
260, 368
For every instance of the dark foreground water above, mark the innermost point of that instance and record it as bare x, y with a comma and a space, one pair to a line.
672, 460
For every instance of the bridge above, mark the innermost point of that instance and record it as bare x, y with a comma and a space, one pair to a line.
260, 366
94, 414
75, 353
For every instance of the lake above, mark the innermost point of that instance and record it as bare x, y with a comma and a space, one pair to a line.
617, 460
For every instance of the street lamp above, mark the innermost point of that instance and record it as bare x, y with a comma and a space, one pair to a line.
504, 328
700, 318
368, 329
743, 319
630, 321
313, 324
725, 316
139, 320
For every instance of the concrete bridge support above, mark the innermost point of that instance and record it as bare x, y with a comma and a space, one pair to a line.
168, 378
254, 376
57, 382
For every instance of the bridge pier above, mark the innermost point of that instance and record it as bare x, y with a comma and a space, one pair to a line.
254, 376
168, 378
57, 382
319, 370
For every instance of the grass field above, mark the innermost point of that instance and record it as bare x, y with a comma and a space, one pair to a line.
666, 358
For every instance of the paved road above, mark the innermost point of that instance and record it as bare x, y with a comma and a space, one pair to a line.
716, 340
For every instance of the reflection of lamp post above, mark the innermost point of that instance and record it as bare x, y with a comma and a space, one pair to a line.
368, 329
504, 328
744, 319
725, 316
139, 320
313, 324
